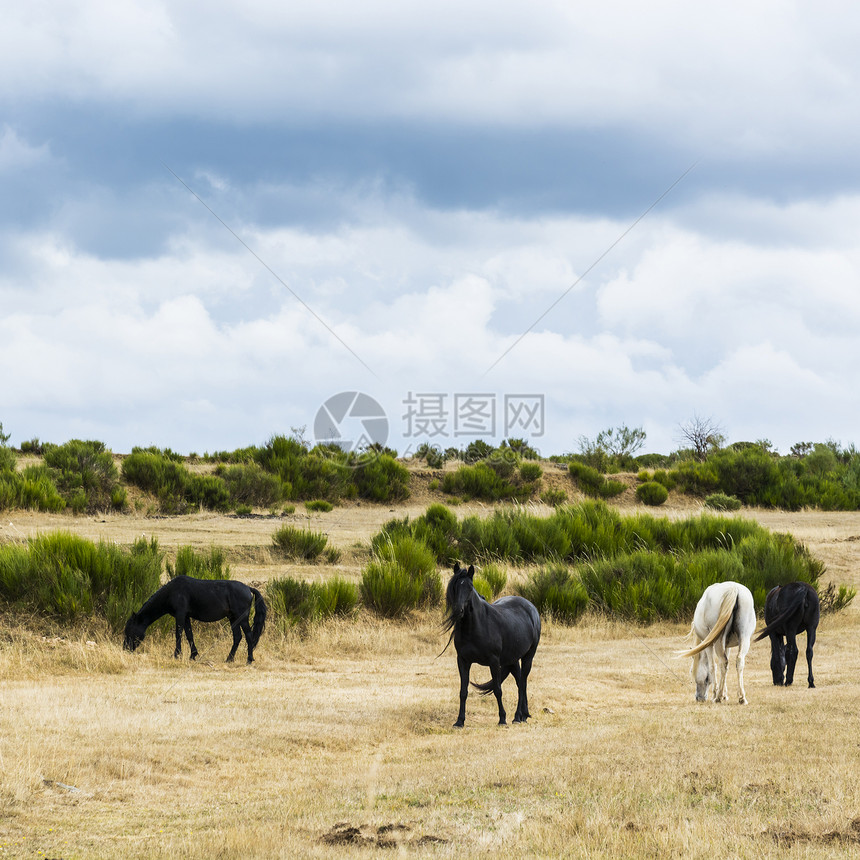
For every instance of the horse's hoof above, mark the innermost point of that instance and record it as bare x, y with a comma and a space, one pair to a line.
459, 724
193, 656
811, 686
743, 700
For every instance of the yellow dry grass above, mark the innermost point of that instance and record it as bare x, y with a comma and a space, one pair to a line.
341, 744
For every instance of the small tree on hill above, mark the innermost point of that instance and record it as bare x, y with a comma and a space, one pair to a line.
703, 435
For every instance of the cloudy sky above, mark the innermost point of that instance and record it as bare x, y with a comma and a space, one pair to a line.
216, 216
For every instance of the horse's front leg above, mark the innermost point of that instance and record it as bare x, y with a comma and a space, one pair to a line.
190, 637
790, 657
496, 671
237, 638
464, 668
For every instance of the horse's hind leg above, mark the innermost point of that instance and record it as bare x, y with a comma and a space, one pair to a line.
777, 659
180, 626
237, 638
810, 641
522, 686
246, 629
721, 672
190, 637
497, 690
791, 653
743, 647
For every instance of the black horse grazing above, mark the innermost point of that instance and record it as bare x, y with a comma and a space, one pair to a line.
203, 600
789, 610
503, 635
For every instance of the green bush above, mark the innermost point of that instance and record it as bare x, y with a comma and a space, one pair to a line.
652, 493
553, 497
556, 592
402, 576
722, 502
295, 543
66, 577
250, 484
296, 602
495, 577
84, 473
481, 481
530, 471
201, 565
32, 489
380, 478
592, 482
320, 505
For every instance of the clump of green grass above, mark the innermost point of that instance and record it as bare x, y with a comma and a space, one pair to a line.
211, 564
494, 576
297, 602
320, 505
292, 542
557, 592
592, 482
652, 493
68, 578
722, 502
402, 576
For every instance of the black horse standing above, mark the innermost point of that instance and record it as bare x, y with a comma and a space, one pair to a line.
789, 610
186, 598
503, 635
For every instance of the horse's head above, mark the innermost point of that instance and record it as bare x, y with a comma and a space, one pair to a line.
702, 673
459, 592
134, 633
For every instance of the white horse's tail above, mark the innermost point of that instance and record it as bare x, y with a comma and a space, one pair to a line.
727, 608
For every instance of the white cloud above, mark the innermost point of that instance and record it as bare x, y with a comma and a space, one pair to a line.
740, 75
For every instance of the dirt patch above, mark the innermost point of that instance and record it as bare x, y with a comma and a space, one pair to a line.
383, 836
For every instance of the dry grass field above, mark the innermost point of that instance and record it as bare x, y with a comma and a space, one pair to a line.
341, 744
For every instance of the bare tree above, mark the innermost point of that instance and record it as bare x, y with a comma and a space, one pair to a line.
703, 435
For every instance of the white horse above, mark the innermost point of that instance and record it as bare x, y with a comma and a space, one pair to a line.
724, 617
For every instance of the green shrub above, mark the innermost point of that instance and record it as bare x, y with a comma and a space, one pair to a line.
250, 484
553, 497
68, 578
530, 471
483, 482
722, 502
495, 577
296, 602
835, 600
556, 592
84, 473
381, 478
320, 505
611, 488
402, 576
652, 493
201, 565
305, 544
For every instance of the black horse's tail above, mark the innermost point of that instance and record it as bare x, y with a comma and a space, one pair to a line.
484, 689
780, 619
259, 617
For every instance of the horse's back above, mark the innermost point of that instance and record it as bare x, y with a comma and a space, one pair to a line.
520, 619
711, 602
211, 599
